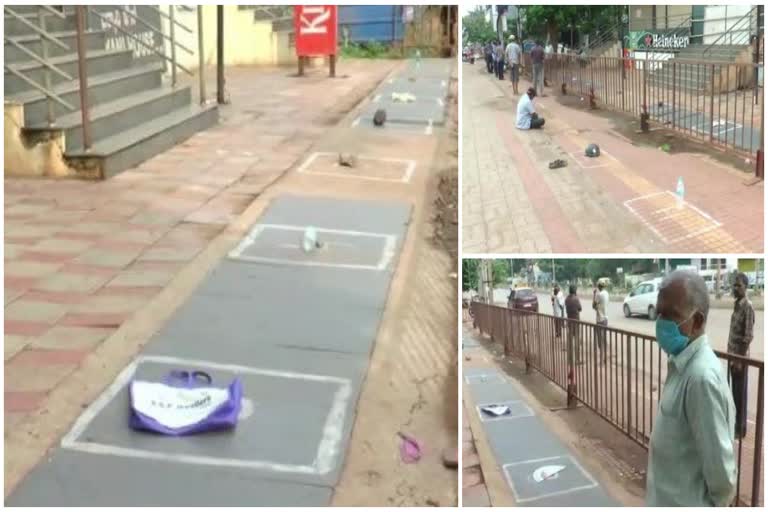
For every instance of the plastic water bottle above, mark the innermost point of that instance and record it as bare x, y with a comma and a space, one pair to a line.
680, 193
309, 243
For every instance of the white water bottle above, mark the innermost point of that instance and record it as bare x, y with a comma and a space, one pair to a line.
680, 193
309, 243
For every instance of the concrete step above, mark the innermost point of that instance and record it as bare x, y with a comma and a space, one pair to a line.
53, 23
98, 63
94, 40
109, 119
129, 148
101, 89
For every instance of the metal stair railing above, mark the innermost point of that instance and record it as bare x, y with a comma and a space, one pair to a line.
45, 88
742, 25
82, 13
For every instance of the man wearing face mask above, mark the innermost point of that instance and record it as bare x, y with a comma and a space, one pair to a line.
691, 457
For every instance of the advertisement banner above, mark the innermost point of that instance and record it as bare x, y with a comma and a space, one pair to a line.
658, 40
316, 30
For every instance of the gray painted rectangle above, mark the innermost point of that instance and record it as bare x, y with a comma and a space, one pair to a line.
419, 113
71, 479
283, 244
298, 411
520, 476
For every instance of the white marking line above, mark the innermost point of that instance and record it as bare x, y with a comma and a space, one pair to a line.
356, 122
526, 414
327, 449
589, 477
443, 83
387, 252
409, 168
480, 376
440, 102
428, 129
647, 223
602, 163
377, 98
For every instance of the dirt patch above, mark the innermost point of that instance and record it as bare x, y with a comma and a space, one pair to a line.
628, 127
446, 220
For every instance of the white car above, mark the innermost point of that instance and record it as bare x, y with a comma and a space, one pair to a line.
642, 299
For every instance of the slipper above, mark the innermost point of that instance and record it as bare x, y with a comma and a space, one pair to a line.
556, 164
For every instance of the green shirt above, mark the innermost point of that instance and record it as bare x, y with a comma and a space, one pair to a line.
691, 458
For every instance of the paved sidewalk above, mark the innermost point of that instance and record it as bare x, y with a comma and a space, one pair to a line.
515, 446
226, 322
621, 202
82, 258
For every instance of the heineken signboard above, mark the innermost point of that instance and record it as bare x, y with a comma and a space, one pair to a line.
658, 40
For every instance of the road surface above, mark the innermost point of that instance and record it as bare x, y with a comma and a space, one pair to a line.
718, 323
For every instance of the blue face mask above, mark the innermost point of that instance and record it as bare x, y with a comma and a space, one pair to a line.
668, 334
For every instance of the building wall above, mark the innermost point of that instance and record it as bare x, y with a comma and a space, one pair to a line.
247, 42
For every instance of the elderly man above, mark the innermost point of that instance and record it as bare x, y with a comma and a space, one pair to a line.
691, 456
739, 339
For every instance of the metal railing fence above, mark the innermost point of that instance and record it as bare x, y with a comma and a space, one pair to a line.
619, 375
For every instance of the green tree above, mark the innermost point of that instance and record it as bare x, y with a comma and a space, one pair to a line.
547, 21
470, 274
476, 28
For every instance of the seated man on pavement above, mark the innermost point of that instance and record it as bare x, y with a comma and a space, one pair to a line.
527, 118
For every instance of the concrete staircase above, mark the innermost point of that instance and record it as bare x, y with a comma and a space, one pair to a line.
135, 114
693, 68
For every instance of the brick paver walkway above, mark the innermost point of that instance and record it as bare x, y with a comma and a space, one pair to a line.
81, 257
620, 202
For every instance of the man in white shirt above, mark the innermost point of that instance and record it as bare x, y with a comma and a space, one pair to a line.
600, 304
527, 118
513, 53
558, 309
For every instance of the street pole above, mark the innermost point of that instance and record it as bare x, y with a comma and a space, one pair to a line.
220, 98
554, 276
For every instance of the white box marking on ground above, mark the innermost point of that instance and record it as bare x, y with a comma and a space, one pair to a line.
327, 449
491, 377
387, 253
409, 167
526, 414
658, 216
600, 160
589, 477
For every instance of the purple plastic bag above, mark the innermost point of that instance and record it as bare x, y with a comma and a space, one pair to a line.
185, 403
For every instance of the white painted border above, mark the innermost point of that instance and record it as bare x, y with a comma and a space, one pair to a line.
589, 477
409, 167
576, 154
649, 225
477, 376
399, 127
327, 449
387, 252
483, 419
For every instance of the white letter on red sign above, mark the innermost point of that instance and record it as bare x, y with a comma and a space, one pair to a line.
316, 25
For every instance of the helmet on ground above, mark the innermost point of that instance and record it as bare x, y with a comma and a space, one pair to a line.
592, 150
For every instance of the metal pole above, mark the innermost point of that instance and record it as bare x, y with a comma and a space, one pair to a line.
200, 53
333, 65
173, 45
220, 55
83, 75
51, 114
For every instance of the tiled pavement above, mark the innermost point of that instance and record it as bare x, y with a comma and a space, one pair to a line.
81, 257
513, 203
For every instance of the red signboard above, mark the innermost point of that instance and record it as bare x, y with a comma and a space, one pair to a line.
315, 29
